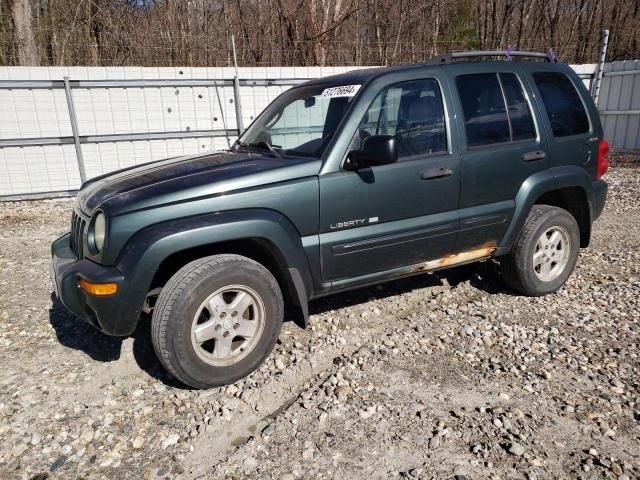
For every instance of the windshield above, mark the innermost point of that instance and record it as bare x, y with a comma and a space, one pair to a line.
301, 122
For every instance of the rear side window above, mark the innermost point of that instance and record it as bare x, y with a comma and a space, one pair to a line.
485, 116
564, 108
519, 113
495, 109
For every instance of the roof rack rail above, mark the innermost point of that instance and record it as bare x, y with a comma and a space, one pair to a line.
508, 54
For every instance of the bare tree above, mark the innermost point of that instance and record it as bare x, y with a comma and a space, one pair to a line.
305, 32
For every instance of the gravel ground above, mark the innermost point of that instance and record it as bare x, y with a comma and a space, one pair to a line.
448, 375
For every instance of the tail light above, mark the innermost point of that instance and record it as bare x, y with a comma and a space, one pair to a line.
603, 158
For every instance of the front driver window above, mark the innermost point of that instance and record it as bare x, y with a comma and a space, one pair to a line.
411, 111
300, 123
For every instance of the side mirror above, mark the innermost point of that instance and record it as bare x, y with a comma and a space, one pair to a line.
376, 150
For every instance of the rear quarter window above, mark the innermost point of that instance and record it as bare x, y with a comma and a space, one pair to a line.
565, 109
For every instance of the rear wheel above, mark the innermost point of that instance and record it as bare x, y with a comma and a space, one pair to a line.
216, 320
545, 254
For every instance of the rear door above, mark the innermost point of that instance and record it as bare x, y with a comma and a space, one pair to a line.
501, 146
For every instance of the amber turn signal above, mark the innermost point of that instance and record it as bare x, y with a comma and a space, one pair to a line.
98, 289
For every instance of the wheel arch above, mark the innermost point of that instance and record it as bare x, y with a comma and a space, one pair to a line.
154, 254
573, 200
568, 187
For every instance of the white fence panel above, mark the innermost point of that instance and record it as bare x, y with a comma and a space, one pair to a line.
27, 170
619, 104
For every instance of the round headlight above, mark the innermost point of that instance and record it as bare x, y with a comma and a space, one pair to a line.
99, 229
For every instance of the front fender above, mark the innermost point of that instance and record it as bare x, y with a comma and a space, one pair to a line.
537, 185
147, 249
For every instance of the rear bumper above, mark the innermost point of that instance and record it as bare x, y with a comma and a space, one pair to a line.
599, 198
113, 314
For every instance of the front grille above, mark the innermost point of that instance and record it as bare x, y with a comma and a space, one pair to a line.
77, 233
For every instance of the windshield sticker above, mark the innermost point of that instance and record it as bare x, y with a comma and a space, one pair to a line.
341, 91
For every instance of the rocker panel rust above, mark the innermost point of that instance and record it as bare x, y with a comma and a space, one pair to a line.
484, 251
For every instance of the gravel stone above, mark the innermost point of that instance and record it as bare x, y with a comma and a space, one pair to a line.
516, 449
138, 442
170, 441
19, 449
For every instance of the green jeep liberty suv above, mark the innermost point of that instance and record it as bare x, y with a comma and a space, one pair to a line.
341, 182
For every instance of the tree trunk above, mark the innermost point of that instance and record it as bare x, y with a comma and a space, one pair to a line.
25, 41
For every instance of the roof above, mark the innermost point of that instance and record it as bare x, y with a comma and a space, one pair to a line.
366, 74
363, 75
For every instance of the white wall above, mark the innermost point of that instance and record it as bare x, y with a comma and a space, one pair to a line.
44, 113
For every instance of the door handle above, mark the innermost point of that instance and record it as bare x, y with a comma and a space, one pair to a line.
434, 173
533, 156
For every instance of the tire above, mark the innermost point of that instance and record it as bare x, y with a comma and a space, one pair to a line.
210, 297
519, 269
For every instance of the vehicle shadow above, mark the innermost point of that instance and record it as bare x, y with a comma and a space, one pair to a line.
146, 358
76, 334
483, 276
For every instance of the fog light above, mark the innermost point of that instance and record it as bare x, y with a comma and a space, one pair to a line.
98, 289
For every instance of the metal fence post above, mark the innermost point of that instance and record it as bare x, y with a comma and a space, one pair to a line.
222, 115
74, 129
236, 88
597, 79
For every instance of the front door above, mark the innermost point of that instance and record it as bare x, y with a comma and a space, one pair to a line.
395, 215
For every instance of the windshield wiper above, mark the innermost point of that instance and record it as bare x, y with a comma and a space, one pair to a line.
261, 145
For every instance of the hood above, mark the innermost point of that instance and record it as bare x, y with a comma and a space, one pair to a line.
166, 178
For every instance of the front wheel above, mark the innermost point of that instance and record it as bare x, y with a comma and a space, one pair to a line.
216, 320
545, 254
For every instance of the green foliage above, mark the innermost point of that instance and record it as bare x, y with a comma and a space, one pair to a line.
459, 27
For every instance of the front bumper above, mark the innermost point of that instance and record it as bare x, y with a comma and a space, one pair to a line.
113, 314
